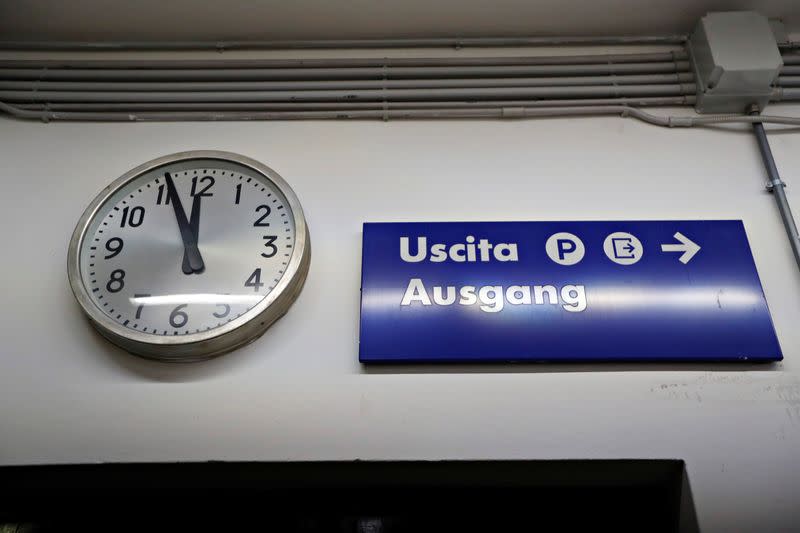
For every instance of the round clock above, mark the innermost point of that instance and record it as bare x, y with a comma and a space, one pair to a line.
190, 255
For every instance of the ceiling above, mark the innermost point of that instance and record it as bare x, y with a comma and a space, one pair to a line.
183, 20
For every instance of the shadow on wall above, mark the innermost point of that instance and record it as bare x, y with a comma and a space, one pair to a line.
545, 368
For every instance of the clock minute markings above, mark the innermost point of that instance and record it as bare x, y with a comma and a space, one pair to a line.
193, 223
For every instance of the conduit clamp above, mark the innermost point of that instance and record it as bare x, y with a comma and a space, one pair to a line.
775, 183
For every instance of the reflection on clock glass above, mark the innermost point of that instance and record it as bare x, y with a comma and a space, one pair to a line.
187, 247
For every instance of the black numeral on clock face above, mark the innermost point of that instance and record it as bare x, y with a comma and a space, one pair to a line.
177, 318
140, 306
225, 312
238, 193
113, 245
116, 283
208, 180
132, 216
254, 280
163, 196
271, 248
260, 222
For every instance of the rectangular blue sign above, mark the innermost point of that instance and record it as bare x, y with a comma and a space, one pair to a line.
562, 291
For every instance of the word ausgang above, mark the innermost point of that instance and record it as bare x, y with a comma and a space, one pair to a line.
493, 298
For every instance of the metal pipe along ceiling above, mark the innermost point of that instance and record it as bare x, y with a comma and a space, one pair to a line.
522, 112
310, 106
329, 73
428, 87
646, 79
368, 94
335, 62
482, 42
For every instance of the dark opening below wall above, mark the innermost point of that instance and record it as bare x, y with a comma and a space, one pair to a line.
361, 496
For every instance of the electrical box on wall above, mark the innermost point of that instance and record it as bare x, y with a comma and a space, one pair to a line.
736, 61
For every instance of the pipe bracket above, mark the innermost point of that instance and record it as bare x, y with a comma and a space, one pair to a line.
775, 183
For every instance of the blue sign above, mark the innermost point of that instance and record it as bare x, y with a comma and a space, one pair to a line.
562, 291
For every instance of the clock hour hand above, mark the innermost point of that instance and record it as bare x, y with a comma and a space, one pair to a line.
194, 224
195, 260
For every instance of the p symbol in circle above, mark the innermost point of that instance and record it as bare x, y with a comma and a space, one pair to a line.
565, 248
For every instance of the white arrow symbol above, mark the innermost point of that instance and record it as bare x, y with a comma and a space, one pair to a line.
688, 247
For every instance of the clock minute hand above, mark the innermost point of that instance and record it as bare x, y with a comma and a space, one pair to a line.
194, 224
195, 262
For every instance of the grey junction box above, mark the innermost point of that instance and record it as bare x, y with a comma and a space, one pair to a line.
736, 61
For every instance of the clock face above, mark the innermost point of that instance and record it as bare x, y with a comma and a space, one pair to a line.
188, 249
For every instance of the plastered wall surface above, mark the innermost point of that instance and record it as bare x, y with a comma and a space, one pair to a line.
150, 20
299, 393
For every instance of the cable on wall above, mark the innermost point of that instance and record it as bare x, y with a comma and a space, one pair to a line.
776, 185
473, 113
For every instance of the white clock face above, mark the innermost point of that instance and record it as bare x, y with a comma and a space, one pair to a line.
187, 247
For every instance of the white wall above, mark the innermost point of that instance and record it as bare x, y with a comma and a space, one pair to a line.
225, 20
67, 395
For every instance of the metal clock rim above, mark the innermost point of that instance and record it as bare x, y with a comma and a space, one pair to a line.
207, 344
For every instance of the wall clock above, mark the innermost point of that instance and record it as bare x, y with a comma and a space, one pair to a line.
190, 255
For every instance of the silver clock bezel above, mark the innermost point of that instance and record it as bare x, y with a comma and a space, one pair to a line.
207, 344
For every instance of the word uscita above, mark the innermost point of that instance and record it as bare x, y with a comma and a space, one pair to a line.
469, 251
493, 298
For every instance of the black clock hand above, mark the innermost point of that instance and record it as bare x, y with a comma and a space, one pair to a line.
194, 223
195, 262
